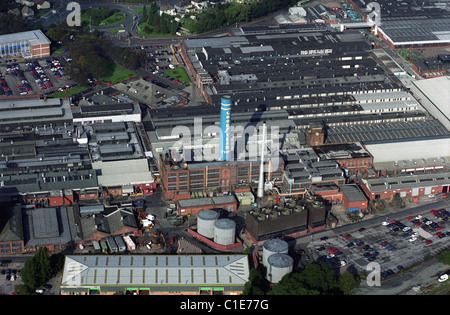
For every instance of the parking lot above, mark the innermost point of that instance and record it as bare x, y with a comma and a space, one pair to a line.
21, 77
395, 244
10, 277
160, 58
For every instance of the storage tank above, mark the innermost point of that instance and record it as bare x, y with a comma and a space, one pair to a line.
279, 265
224, 232
273, 246
205, 222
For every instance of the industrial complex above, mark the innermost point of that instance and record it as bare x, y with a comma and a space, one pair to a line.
303, 127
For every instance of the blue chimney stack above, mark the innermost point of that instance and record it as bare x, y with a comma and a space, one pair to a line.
225, 118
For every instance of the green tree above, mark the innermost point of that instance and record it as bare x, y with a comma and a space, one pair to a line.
57, 262
29, 274
153, 8
256, 283
348, 283
291, 284
319, 276
42, 261
144, 14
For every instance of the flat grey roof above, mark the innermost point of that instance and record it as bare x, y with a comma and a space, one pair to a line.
35, 37
218, 200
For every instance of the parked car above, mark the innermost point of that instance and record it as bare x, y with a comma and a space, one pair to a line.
443, 278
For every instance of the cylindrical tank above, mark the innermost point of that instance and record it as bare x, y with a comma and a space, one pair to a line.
279, 265
205, 222
224, 232
273, 246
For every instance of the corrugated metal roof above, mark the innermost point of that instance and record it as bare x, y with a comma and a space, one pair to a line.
218, 200
156, 270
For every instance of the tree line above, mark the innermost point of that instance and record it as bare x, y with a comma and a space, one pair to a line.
10, 23
316, 278
228, 14
155, 23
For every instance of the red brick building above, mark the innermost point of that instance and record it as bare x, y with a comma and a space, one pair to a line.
210, 176
353, 198
406, 185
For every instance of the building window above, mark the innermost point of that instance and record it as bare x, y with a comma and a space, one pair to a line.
196, 185
242, 171
214, 173
213, 183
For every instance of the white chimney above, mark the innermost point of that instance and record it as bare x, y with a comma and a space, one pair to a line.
260, 192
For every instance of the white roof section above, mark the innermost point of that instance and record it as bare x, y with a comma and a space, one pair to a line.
35, 37
410, 150
435, 96
123, 172
82, 271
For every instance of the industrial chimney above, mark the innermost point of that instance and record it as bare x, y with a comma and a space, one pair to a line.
225, 134
260, 192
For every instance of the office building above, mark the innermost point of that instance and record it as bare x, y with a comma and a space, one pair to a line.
31, 44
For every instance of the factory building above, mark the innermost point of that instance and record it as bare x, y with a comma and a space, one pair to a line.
30, 113
406, 26
192, 159
304, 168
121, 112
155, 274
213, 175
265, 224
353, 198
434, 94
353, 156
47, 161
294, 218
334, 80
30, 44
406, 185
411, 157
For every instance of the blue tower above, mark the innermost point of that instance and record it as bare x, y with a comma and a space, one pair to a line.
225, 132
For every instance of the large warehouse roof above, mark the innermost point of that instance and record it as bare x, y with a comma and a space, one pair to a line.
417, 30
435, 93
408, 150
155, 270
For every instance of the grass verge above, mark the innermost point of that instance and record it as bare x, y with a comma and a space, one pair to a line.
178, 73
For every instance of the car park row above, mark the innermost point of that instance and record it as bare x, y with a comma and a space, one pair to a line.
32, 77
398, 245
